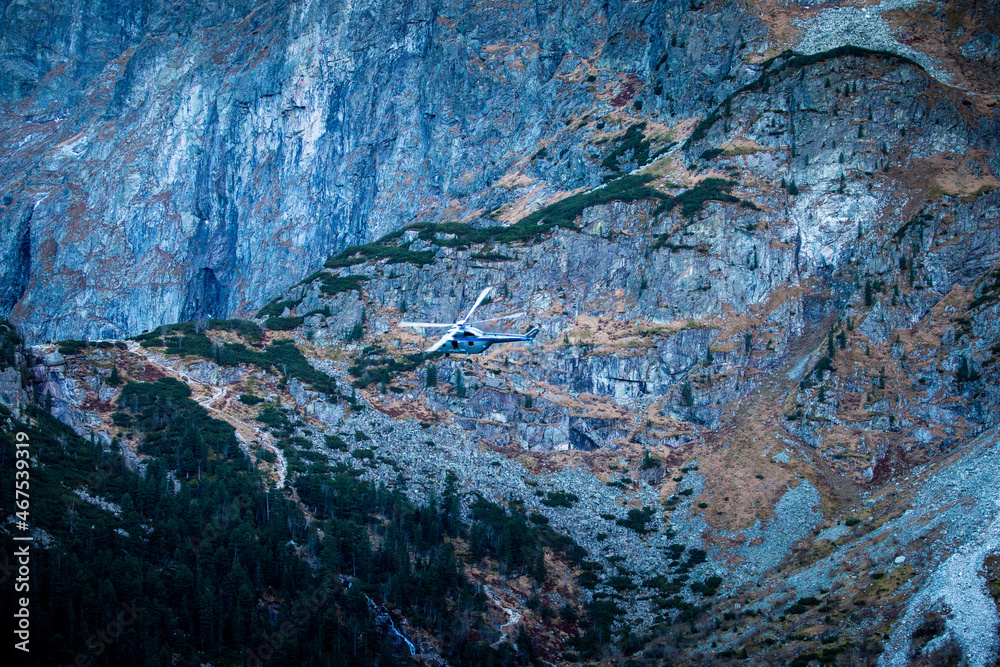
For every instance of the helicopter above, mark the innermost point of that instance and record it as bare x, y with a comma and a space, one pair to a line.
462, 337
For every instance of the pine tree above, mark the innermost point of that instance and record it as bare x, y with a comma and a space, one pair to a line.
450, 506
539, 572
114, 379
965, 372
432, 376
459, 383
356, 332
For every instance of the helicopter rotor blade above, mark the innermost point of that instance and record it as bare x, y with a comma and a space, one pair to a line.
441, 342
436, 325
513, 316
482, 295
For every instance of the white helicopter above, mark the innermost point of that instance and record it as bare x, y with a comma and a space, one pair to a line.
463, 337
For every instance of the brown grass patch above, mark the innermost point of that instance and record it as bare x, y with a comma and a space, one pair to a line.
742, 146
937, 35
406, 409
780, 17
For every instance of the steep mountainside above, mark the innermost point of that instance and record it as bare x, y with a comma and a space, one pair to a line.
195, 160
163, 163
761, 242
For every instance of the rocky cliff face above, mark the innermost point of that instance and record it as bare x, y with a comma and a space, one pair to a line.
166, 163
169, 163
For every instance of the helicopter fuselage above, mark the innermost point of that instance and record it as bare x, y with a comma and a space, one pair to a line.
470, 340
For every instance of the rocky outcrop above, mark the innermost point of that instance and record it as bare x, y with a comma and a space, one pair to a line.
167, 164
197, 161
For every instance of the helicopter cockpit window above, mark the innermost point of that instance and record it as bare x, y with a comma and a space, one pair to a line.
454, 344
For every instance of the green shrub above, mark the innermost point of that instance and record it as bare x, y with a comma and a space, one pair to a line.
335, 442
379, 250
710, 189
710, 154
324, 311
491, 257
250, 399
530, 229
637, 520
283, 323
649, 461
634, 142
559, 499
273, 417
824, 364
276, 308
332, 284
68, 347
708, 587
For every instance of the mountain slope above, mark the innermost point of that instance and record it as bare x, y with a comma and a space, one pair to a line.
758, 424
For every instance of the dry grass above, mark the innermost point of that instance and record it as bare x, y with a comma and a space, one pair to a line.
531, 201
936, 34
742, 146
780, 17
956, 174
